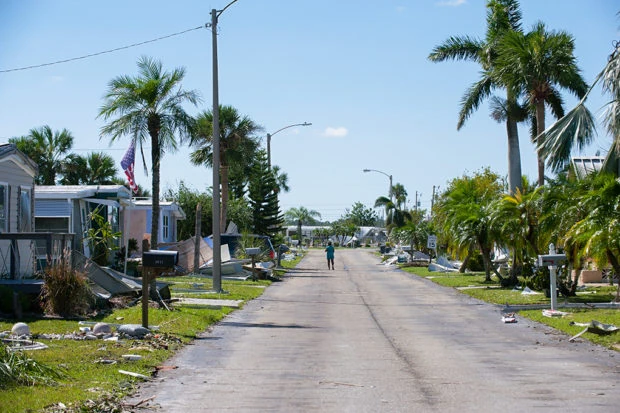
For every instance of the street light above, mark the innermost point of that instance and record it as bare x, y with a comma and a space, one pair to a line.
381, 172
217, 252
269, 135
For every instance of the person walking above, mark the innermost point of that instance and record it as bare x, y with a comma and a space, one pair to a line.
330, 255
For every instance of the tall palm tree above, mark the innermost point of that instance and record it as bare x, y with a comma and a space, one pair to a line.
301, 215
578, 127
395, 216
539, 63
149, 108
47, 148
96, 168
399, 193
503, 16
238, 145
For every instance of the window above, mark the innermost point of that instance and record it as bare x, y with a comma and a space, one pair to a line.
165, 226
25, 210
4, 207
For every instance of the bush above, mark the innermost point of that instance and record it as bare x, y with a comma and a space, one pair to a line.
65, 290
475, 263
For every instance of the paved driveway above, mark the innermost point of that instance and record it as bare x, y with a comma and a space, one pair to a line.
370, 338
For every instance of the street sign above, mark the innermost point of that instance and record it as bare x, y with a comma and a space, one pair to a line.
431, 243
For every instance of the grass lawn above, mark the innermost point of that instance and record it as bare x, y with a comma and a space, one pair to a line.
93, 382
473, 284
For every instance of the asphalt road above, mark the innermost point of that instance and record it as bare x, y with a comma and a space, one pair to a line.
371, 338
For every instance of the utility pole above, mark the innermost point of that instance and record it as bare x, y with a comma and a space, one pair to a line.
433, 200
217, 250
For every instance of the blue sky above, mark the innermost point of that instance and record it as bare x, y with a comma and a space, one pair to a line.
356, 69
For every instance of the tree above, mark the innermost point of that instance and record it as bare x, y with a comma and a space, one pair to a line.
238, 145
599, 231
400, 196
96, 168
300, 216
503, 16
360, 215
538, 63
395, 217
415, 232
463, 212
263, 194
342, 229
578, 127
149, 105
188, 200
47, 149
517, 218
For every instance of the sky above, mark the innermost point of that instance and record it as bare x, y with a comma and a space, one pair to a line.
356, 69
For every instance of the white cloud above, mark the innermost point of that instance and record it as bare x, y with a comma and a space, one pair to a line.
451, 3
336, 132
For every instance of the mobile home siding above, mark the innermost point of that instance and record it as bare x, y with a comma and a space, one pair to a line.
16, 177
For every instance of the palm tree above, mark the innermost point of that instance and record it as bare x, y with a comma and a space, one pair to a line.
301, 215
97, 168
463, 212
539, 63
47, 148
578, 127
599, 231
517, 219
238, 145
149, 105
395, 217
399, 193
281, 179
503, 16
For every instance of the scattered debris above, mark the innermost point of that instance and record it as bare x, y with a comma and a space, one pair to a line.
595, 327
132, 374
133, 330
509, 318
132, 357
554, 313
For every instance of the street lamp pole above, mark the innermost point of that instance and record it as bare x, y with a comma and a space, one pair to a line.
217, 251
269, 135
389, 176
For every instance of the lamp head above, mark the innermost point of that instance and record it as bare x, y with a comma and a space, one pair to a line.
366, 170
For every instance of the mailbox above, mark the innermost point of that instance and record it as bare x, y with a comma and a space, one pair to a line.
551, 260
159, 259
252, 251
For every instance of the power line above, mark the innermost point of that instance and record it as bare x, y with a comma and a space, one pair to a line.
100, 53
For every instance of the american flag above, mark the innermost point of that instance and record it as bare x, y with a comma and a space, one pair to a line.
127, 164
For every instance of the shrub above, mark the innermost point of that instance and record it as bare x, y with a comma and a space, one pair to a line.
65, 290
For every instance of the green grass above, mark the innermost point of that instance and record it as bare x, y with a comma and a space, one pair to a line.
474, 285
89, 379
606, 316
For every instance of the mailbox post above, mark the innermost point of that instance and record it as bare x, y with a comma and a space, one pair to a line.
552, 260
253, 252
154, 262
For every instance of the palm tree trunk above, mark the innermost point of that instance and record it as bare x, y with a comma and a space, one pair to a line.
155, 156
224, 176
514, 152
540, 128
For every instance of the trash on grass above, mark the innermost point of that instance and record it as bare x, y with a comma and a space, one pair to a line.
554, 313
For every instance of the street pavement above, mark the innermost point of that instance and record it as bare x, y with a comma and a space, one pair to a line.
371, 338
